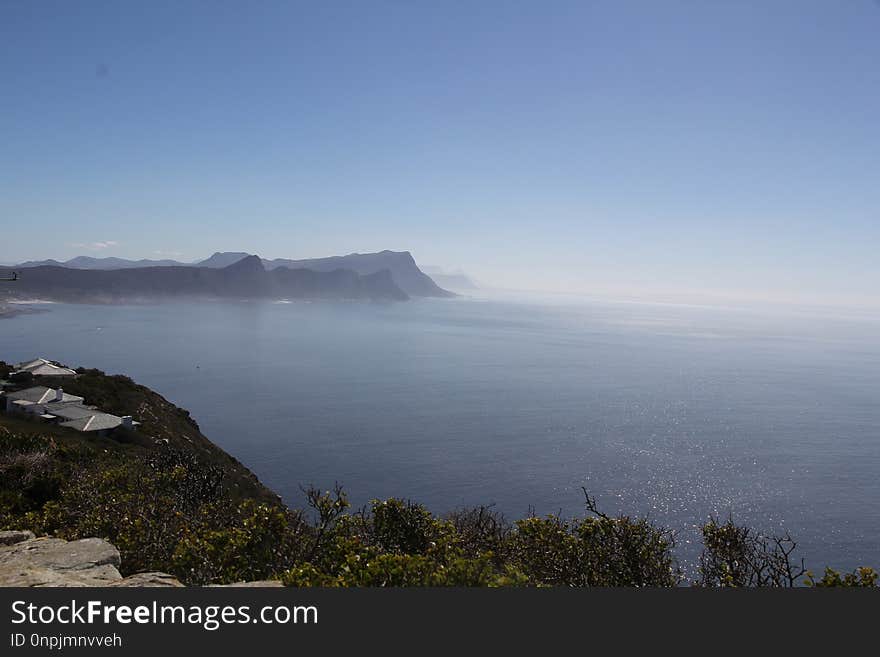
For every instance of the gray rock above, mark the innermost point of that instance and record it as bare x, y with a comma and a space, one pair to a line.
59, 554
41, 577
29, 561
15, 536
55, 562
148, 579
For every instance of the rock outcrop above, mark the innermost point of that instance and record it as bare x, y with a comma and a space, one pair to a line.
29, 561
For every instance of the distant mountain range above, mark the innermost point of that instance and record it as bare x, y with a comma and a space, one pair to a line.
87, 262
387, 275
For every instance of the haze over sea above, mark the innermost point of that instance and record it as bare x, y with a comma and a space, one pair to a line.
676, 411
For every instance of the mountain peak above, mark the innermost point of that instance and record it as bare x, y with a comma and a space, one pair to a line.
248, 263
222, 259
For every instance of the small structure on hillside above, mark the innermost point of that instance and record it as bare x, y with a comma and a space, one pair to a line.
43, 367
38, 399
56, 406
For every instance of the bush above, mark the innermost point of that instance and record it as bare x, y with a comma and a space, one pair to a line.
399, 543
140, 510
167, 512
403, 527
741, 557
395, 541
860, 577
32, 472
254, 542
481, 530
595, 551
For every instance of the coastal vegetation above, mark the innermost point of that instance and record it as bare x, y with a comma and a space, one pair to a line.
172, 501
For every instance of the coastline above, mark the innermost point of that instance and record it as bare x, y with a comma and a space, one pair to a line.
7, 313
8, 309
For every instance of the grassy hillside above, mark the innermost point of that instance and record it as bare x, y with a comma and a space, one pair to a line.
162, 425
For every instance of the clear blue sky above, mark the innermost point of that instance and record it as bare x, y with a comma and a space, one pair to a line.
654, 147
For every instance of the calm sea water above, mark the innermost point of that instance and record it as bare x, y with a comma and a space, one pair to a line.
679, 412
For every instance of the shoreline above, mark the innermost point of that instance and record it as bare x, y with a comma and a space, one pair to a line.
9, 310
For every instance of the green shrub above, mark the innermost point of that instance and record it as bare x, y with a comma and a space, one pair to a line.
419, 570
137, 509
395, 570
253, 542
32, 471
306, 575
481, 530
403, 527
737, 556
860, 577
594, 551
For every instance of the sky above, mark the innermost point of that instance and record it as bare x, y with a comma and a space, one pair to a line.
677, 150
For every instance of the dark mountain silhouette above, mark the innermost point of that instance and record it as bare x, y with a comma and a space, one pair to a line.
404, 270
222, 259
245, 279
401, 264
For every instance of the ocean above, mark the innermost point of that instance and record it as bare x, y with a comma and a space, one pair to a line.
678, 412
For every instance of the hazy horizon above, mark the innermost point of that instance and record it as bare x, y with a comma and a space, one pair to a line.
698, 152
482, 289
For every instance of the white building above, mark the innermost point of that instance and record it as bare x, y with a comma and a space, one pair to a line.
43, 367
38, 399
56, 406
87, 419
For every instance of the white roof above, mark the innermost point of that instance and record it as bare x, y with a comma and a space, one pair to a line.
32, 363
42, 395
96, 422
70, 409
73, 411
43, 367
51, 370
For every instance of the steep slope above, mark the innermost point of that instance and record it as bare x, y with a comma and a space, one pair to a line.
338, 283
219, 260
401, 264
162, 425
